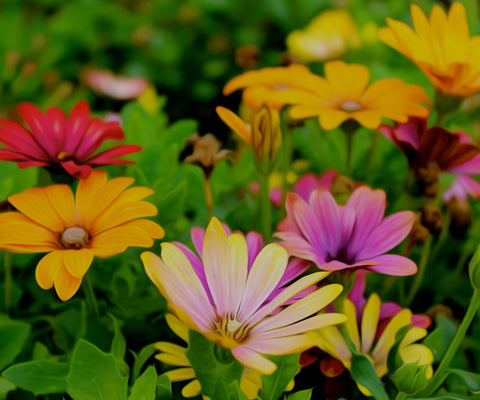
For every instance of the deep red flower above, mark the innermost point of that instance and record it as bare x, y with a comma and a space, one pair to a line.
60, 143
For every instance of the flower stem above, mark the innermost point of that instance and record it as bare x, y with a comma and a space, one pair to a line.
7, 262
208, 196
421, 271
287, 160
348, 160
265, 207
440, 374
371, 153
90, 296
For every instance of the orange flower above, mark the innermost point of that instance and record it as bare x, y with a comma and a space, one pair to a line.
441, 47
102, 220
345, 94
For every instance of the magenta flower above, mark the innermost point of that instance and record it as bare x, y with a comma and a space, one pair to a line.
55, 141
356, 235
431, 152
228, 302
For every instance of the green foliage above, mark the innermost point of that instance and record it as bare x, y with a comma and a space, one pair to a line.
13, 335
145, 386
441, 337
364, 373
275, 384
301, 395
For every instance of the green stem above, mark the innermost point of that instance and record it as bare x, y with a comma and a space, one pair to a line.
287, 161
421, 271
371, 153
208, 196
443, 235
348, 161
7, 262
265, 207
90, 295
440, 373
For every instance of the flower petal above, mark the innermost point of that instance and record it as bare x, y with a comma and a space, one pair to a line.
65, 284
253, 360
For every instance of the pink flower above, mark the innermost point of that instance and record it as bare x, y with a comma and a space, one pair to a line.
356, 235
117, 87
227, 301
431, 152
60, 143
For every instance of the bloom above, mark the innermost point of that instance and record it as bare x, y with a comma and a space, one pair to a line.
104, 82
65, 144
103, 219
227, 302
344, 94
441, 47
327, 36
355, 235
373, 338
433, 151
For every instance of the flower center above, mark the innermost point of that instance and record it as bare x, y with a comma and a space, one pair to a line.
74, 238
64, 156
229, 327
350, 106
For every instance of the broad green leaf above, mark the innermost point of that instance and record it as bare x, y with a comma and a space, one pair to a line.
171, 205
13, 335
471, 379
144, 387
364, 373
179, 132
274, 385
301, 395
441, 337
410, 378
119, 346
164, 388
39, 377
214, 366
5, 387
140, 359
94, 375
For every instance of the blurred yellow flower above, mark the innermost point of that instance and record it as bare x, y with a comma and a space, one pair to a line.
441, 47
329, 35
103, 219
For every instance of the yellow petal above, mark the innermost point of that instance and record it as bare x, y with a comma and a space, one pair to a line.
77, 262
348, 81
170, 348
351, 324
65, 284
235, 123
47, 269
180, 374
250, 383
177, 359
85, 194
370, 316
180, 329
331, 118
192, 389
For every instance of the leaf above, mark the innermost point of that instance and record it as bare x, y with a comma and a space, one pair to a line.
141, 359
145, 386
164, 388
364, 373
471, 379
94, 375
275, 384
119, 346
179, 132
301, 395
214, 366
171, 205
5, 387
13, 335
441, 337
40, 377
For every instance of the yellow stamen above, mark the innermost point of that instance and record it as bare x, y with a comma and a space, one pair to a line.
350, 106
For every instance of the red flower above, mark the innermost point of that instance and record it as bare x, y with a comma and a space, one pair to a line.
60, 143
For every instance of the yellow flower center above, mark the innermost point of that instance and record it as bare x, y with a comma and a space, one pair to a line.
350, 106
234, 331
74, 238
64, 156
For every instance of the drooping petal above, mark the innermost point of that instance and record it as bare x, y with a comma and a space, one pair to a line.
369, 323
47, 269
282, 345
65, 284
254, 360
77, 262
391, 264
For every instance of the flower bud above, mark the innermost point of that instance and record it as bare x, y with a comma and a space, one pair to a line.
410, 378
266, 133
432, 218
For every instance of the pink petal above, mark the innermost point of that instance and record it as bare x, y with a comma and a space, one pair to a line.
76, 126
279, 346
106, 157
306, 185
391, 264
39, 126
97, 132
57, 120
253, 360
461, 187
299, 247
471, 167
15, 136
254, 245
387, 235
81, 171
198, 237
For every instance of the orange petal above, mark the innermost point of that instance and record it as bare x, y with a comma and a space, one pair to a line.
47, 269
77, 262
332, 118
235, 123
65, 284
348, 81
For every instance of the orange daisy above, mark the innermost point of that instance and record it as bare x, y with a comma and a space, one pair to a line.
440, 46
103, 219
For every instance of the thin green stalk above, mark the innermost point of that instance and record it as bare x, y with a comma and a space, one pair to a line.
371, 153
208, 196
7, 262
287, 160
421, 271
348, 161
443, 235
265, 207
90, 295
440, 373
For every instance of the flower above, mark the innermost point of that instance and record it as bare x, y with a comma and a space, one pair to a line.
262, 134
103, 219
441, 47
374, 339
260, 84
66, 144
327, 36
104, 82
431, 152
226, 302
344, 95
355, 235
175, 355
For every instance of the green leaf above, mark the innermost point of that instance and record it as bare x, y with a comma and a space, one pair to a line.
410, 378
471, 380
40, 377
145, 386
119, 346
164, 388
171, 205
13, 335
141, 359
364, 373
94, 375
275, 384
441, 337
214, 366
301, 395
5, 387
179, 132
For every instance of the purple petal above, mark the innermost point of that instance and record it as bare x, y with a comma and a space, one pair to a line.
299, 247
198, 235
391, 264
254, 246
461, 187
471, 167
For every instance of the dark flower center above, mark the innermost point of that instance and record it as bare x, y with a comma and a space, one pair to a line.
74, 238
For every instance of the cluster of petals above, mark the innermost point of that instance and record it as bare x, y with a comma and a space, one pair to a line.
437, 150
106, 83
228, 302
104, 218
374, 339
440, 46
61, 143
352, 236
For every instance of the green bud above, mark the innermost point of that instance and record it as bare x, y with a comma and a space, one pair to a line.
410, 378
474, 269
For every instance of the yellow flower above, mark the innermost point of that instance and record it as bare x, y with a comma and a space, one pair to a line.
371, 341
345, 94
328, 36
262, 134
100, 221
441, 47
175, 355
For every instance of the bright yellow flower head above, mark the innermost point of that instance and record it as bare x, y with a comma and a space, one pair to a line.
372, 342
441, 47
345, 94
102, 220
328, 36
